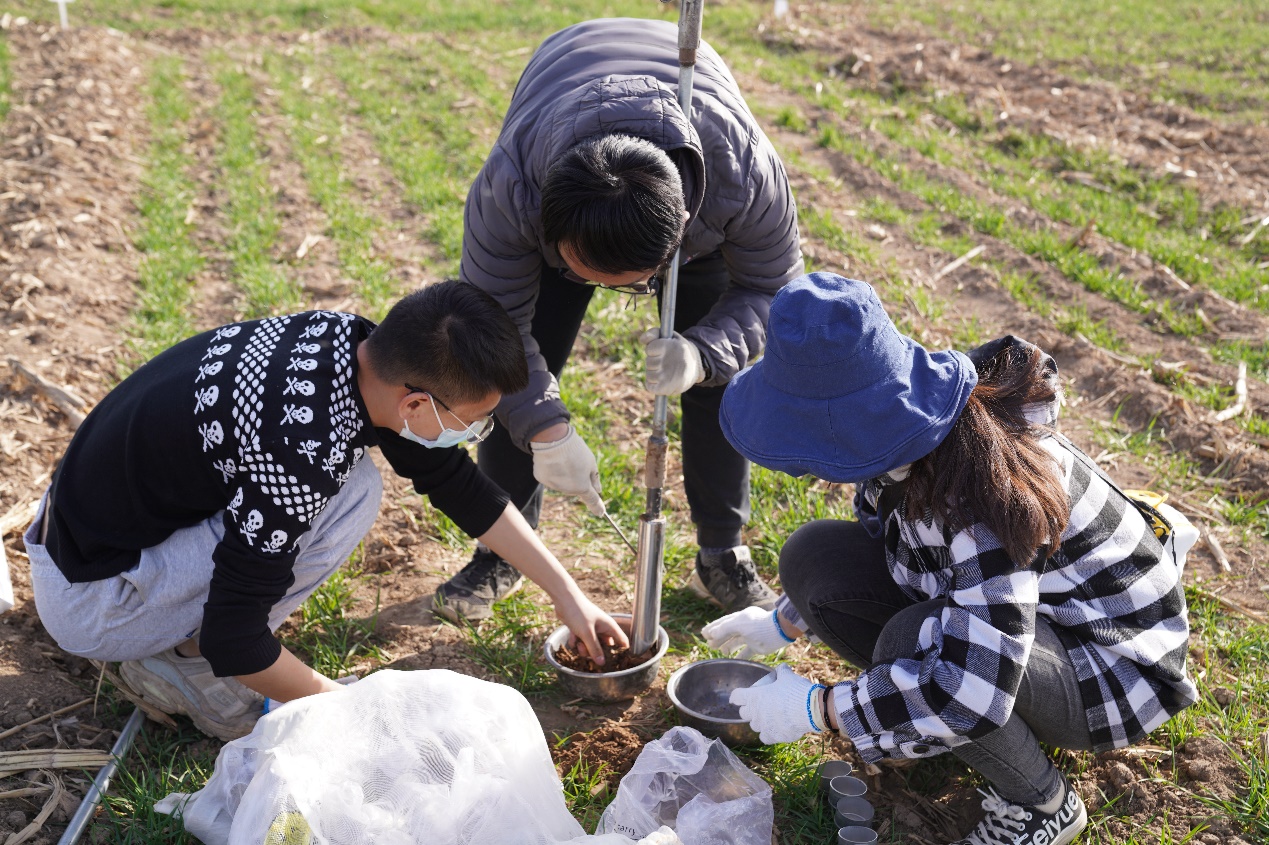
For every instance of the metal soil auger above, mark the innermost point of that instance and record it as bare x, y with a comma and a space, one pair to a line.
646, 633
651, 554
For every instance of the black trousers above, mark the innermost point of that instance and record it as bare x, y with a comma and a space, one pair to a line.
715, 476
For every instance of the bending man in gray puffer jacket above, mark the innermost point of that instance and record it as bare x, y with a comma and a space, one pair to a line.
595, 179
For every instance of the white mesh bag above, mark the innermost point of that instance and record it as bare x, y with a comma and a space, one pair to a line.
399, 758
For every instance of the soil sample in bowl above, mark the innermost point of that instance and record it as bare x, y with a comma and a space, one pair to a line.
616, 659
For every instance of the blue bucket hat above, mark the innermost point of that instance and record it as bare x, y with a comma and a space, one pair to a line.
840, 393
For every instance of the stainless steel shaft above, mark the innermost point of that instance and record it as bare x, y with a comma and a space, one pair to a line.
650, 561
83, 815
620, 533
651, 553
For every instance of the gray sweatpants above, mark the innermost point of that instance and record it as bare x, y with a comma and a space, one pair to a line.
158, 603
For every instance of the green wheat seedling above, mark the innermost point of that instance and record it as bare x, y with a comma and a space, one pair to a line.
314, 113
1207, 55
1160, 217
165, 235
250, 212
432, 149
1170, 235
434, 524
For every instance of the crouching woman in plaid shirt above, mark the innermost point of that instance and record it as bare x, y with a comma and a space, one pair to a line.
998, 590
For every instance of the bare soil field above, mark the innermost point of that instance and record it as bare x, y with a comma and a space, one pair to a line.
73, 151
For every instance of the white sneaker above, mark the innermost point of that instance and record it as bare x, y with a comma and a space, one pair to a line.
1010, 824
221, 707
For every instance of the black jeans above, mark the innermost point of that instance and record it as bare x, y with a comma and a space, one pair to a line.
715, 476
837, 578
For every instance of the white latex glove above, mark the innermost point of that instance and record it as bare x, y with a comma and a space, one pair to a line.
568, 466
674, 363
747, 633
783, 707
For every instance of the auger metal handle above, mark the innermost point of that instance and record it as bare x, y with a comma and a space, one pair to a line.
650, 555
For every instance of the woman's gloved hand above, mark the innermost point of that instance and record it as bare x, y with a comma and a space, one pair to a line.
747, 633
783, 707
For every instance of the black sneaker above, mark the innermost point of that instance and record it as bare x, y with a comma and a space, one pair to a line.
1010, 824
729, 579
472, 592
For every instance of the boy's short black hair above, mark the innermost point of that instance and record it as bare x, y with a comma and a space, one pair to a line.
617, 202
452, 339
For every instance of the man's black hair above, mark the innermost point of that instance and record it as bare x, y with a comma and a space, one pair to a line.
452, 339
617, 202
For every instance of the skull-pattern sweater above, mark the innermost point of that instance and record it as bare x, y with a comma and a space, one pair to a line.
261, 420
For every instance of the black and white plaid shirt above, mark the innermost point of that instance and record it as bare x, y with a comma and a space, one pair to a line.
1111, 592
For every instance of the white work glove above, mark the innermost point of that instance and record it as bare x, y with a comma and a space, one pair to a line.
747, 633
674, 363
568, 466
782, 708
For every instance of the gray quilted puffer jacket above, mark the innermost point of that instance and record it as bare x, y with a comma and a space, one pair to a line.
620, 75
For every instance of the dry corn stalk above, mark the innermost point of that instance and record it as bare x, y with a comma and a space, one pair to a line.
12, 762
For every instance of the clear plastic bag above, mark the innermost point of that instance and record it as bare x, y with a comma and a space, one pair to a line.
397, 759
697, 787
6, 586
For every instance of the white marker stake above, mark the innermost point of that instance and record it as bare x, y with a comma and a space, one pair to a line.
61, 12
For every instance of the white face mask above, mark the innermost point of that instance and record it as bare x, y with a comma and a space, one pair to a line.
447, 438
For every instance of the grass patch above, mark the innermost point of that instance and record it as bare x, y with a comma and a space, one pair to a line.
469, 17
165, 234
161, 761
1157, 216
333, 642
510, 644
251, 217
586, 791
803, 816
6, 78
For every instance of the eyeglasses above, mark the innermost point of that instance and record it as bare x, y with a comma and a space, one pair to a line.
477, 430
647, 287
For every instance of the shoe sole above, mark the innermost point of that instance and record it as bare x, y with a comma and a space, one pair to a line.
450, 609
157, 692
697, 587
1076, 828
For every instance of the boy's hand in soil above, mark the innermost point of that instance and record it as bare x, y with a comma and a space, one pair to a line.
590, 626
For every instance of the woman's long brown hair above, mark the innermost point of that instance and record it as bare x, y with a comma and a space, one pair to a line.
991, 468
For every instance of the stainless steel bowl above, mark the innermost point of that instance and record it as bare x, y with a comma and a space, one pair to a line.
700, 692
607, 686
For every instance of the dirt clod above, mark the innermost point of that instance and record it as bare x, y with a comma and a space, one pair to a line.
615, 659
1120, 776
1199, 770
614, 747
